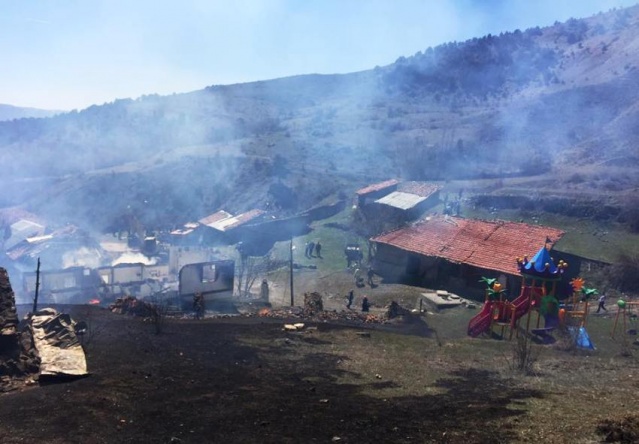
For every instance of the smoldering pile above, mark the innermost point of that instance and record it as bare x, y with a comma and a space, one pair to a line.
313, 310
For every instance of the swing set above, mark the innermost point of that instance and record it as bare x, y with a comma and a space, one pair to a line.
628, 312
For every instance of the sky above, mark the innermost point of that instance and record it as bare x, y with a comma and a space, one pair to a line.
71, 54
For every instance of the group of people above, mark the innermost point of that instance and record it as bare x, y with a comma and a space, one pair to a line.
351, 297
313, 247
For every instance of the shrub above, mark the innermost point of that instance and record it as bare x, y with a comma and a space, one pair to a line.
624, 274
524, 356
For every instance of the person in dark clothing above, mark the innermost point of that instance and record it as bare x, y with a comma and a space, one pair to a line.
311, 248
351, 296
365, 304
198, 305
602, 301
370, 273
318, 249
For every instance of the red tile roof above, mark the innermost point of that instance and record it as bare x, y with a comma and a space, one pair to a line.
492, 245
422, 189
376, 187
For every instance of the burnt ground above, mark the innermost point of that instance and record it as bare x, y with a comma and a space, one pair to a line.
244, 379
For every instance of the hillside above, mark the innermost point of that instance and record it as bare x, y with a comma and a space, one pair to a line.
550, 111
10, 112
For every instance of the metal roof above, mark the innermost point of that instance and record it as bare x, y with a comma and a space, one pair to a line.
215, 217
235, 221
401, 200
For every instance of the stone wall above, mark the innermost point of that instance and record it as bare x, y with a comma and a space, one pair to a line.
8, 314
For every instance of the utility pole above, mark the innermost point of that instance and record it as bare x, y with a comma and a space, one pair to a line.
35, 299
291, 270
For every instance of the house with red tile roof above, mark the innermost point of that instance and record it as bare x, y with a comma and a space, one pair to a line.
454, 253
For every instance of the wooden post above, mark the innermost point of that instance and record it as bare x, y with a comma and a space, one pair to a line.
291, 268
37, 287
614, 326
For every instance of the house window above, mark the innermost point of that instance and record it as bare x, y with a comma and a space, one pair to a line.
209, 273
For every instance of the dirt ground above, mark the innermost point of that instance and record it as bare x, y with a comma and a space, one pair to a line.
243, 379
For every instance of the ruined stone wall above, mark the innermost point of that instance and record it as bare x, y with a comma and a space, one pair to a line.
8, 314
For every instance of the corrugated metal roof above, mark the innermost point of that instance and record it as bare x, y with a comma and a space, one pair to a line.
235, 221
376, 187
21, 230
492, 245
403, 201
215, 217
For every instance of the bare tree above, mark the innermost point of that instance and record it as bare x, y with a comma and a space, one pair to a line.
157, 309
370, 221
248, 269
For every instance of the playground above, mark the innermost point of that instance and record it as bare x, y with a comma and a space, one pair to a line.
539, 311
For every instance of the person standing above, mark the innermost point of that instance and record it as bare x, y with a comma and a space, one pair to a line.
311, 248
370, 273
351, 296
264, 290
365, 305
318, 249
602, 301
359, 280
198, 305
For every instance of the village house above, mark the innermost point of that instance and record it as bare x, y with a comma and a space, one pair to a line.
409, 201
219, 228
372, 192
73, 285
453, 253
22, 230
213, 280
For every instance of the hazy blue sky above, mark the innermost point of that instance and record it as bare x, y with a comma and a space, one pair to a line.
65, 54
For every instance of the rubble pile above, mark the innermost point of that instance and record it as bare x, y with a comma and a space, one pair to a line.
394, 310
55, 338
130, 305
322, 316
313, 303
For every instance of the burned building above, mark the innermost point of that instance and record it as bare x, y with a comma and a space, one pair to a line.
213, 280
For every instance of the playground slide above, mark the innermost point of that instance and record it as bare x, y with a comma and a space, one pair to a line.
480, 323
522, 303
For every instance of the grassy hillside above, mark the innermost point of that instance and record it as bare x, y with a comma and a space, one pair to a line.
548, 112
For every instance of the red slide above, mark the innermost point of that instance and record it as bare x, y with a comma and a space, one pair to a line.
522, 303
480, 323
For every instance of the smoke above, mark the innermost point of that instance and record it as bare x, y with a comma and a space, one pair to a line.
134, 258
82, 257
156, 162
